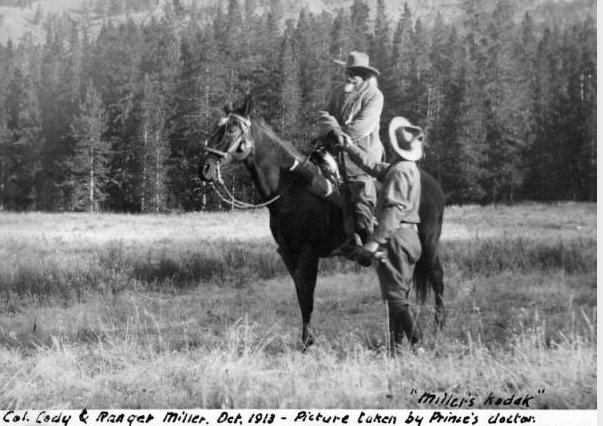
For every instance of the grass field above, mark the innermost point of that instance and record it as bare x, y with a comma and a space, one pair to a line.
197, 311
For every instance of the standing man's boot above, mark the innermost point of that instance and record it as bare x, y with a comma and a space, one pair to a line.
402, 323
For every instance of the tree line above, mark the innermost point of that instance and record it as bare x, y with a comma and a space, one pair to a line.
114, 120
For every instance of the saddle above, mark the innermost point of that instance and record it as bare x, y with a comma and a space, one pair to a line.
324, 178
327, 165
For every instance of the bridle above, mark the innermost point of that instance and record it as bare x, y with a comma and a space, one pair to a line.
243, 137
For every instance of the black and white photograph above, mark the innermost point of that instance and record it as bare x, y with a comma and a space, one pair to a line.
329, 211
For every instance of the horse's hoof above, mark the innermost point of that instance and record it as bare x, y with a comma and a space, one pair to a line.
306, 343
440, 325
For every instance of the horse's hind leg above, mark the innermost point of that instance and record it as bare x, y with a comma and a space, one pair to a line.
429, 274
303, 267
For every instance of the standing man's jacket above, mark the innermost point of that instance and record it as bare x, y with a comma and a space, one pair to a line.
400, 192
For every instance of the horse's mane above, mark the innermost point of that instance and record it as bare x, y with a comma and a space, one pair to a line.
262, 126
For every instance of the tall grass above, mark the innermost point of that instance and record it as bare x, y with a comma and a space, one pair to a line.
134, 321
117, 267
491, 256
237, 263
249, 366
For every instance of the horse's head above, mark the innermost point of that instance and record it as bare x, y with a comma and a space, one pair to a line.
230, 141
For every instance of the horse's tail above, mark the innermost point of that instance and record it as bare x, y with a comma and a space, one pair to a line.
428, 273
428, 270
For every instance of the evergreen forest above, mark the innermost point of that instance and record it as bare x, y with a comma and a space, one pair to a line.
114, 119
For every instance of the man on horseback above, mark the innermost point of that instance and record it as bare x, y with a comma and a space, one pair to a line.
353, 112
395, 242
306, 228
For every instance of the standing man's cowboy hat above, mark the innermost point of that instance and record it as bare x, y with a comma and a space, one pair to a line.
405, 139
359, 61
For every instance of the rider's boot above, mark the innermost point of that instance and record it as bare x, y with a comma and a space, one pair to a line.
349, 247
319, 185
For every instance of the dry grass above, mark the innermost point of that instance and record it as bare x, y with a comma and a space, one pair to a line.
107, 321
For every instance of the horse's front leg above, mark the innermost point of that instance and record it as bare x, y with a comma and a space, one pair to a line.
303, 267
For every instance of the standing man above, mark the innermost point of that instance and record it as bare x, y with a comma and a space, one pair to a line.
353, 112
395, 242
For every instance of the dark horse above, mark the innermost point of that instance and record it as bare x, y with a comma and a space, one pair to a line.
305, 226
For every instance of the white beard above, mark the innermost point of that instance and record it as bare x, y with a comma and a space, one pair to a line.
352, 83
349, 87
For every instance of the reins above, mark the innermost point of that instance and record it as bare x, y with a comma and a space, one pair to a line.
238, 204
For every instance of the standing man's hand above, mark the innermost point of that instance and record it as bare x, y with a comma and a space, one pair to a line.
367, 253
371, 246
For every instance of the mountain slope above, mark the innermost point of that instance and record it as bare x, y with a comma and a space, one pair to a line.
17, 21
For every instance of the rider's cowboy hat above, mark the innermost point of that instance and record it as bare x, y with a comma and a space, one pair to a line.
405, 139
359, 61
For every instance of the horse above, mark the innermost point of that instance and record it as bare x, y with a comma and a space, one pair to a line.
307, 227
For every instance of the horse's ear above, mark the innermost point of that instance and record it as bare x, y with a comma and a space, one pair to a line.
242, 107
247, 105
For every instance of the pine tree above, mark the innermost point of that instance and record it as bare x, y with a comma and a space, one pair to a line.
471, 149
380, 56
114, 65
6, 142
179, 8
219, 27
161, 51
546, 179
473, 133
291, 97
115, 69
100, 8
265, 82
213, 78
234, 31
360, 15
23, 123
400, 67
440, 68
586, 100
315, 65
250, 6
506, 148
73, 67
89, 164
341, 44
527, 93
209, 94
380, 46
421, 70
154, 148
277, 10
439, 78
445, 141
575, 109
116, 7
54, 119
340, 36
